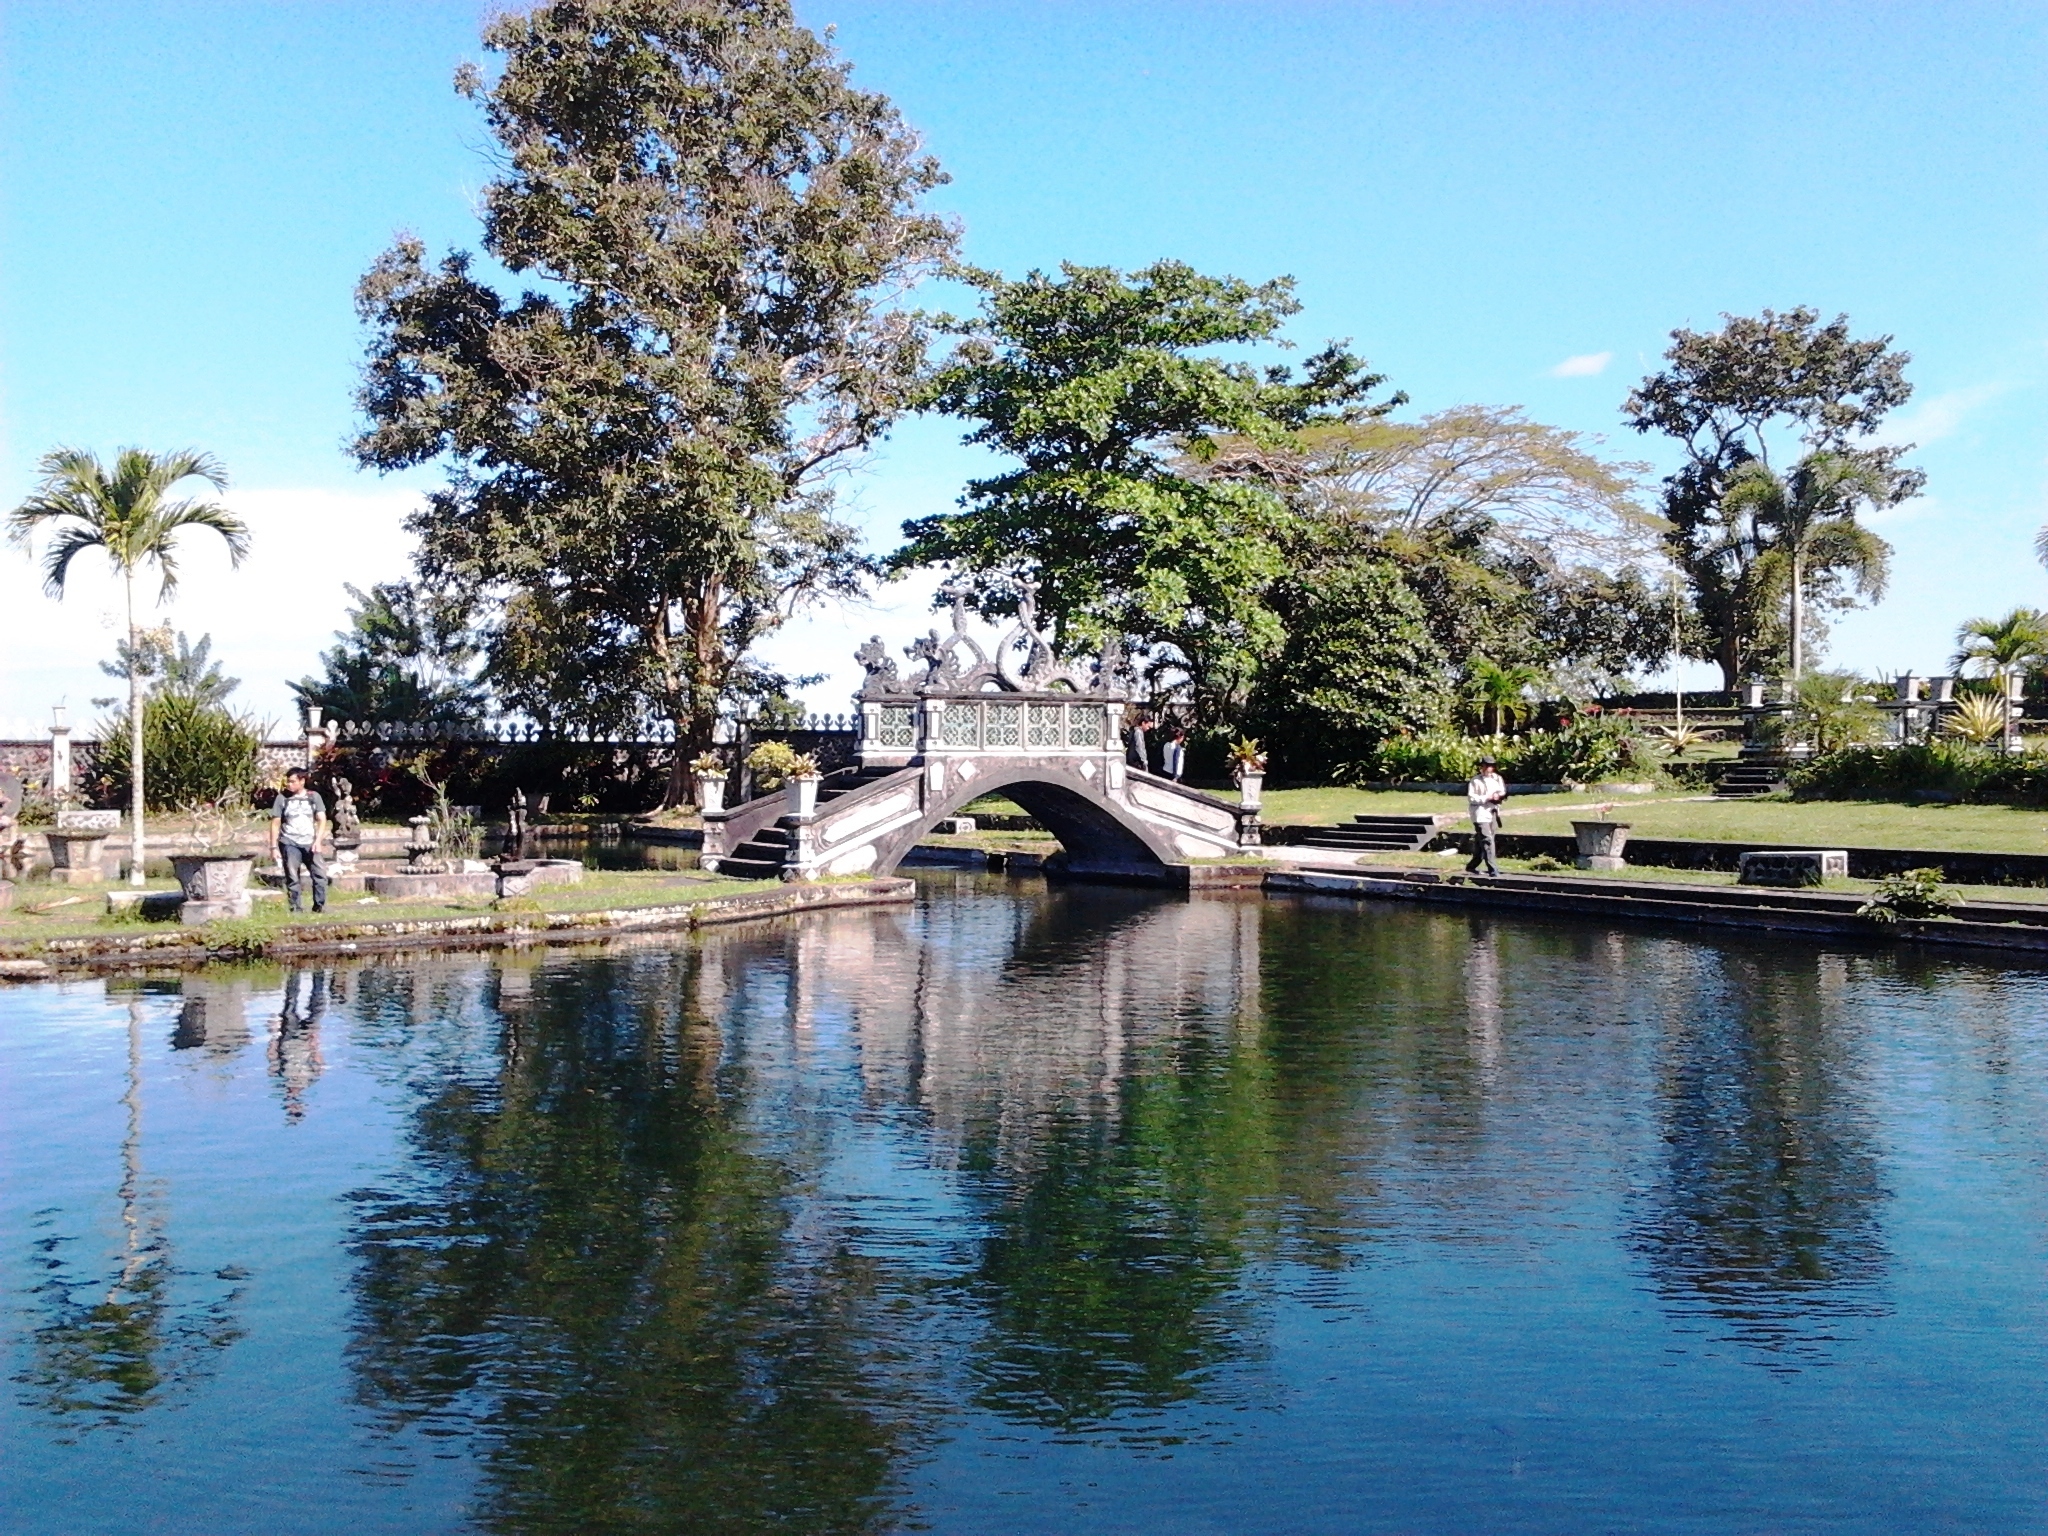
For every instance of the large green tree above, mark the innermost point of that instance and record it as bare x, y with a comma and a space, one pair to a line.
128, 513
641, 446
1761, 387
1103, 390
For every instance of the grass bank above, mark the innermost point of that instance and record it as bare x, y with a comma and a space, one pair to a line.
45, 914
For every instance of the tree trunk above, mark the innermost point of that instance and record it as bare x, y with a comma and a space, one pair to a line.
136, 840
1798, 613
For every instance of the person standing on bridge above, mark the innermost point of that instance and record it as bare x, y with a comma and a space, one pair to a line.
1484, 792
1173, 753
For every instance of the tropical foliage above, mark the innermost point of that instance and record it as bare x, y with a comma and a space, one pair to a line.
192, 751
409, 654
127, 512
1798, 534
1946, 768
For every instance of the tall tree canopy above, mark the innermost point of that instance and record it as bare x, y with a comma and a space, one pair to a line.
1518, 540
640, 451
1100, 386
1724, 397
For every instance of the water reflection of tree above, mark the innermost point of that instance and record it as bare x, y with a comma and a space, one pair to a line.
594, 1259
120, 1340
1765, 1214
1101, 1081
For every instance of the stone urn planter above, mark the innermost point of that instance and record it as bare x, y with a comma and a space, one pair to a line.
802, 790
76, 856
711, 791
215, 885
1250, 787
1600, 843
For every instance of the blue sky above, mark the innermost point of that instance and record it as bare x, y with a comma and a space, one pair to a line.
1474, 194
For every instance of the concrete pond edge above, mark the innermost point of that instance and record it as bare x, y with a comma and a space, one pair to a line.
56, 957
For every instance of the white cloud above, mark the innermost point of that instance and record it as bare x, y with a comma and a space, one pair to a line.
269, 620
1584, 366
1938, 416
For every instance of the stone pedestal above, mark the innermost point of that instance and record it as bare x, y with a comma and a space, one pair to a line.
193, 913
522, 877
1601, 843
78, 857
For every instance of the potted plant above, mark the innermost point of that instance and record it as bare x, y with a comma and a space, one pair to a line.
709, 772
1248, 767
214, 869
1601, 842
802, 780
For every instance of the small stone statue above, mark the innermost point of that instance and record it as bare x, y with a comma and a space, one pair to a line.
10, 813
348, 826
515, 826
881, 668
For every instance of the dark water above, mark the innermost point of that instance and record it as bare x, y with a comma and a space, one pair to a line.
1034, 1211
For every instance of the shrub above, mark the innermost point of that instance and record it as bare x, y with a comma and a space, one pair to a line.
191, 751
1916, 893
1584, 752
774, 762
1945, 766
1435, 757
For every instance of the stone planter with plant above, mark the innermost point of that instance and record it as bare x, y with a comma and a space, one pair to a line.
1248, 766
709, 771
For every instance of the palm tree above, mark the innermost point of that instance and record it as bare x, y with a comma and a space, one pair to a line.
2003, 647
1501, 692
1807, 520
128, 515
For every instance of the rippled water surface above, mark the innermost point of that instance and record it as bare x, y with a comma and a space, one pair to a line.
1034, 1210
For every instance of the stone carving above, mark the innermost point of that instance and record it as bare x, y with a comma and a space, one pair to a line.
347, 826
1024, 662
12, 853
882, 680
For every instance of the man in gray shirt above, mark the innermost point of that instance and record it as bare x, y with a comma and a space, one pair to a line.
298, 820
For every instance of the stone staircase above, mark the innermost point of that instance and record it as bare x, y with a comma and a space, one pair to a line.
761, 857
1749, 779
1379, 834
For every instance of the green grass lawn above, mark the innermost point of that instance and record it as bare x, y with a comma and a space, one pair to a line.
1654, 875
1820, 824
599, 891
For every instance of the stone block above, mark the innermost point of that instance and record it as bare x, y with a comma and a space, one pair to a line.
522, 877
69, 820
1793, 867
194, 913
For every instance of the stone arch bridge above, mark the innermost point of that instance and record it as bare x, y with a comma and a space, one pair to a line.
967, 724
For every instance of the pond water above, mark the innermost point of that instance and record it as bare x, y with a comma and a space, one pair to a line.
1034, 1210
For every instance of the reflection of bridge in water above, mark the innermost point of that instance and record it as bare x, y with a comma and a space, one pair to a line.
1047, 735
